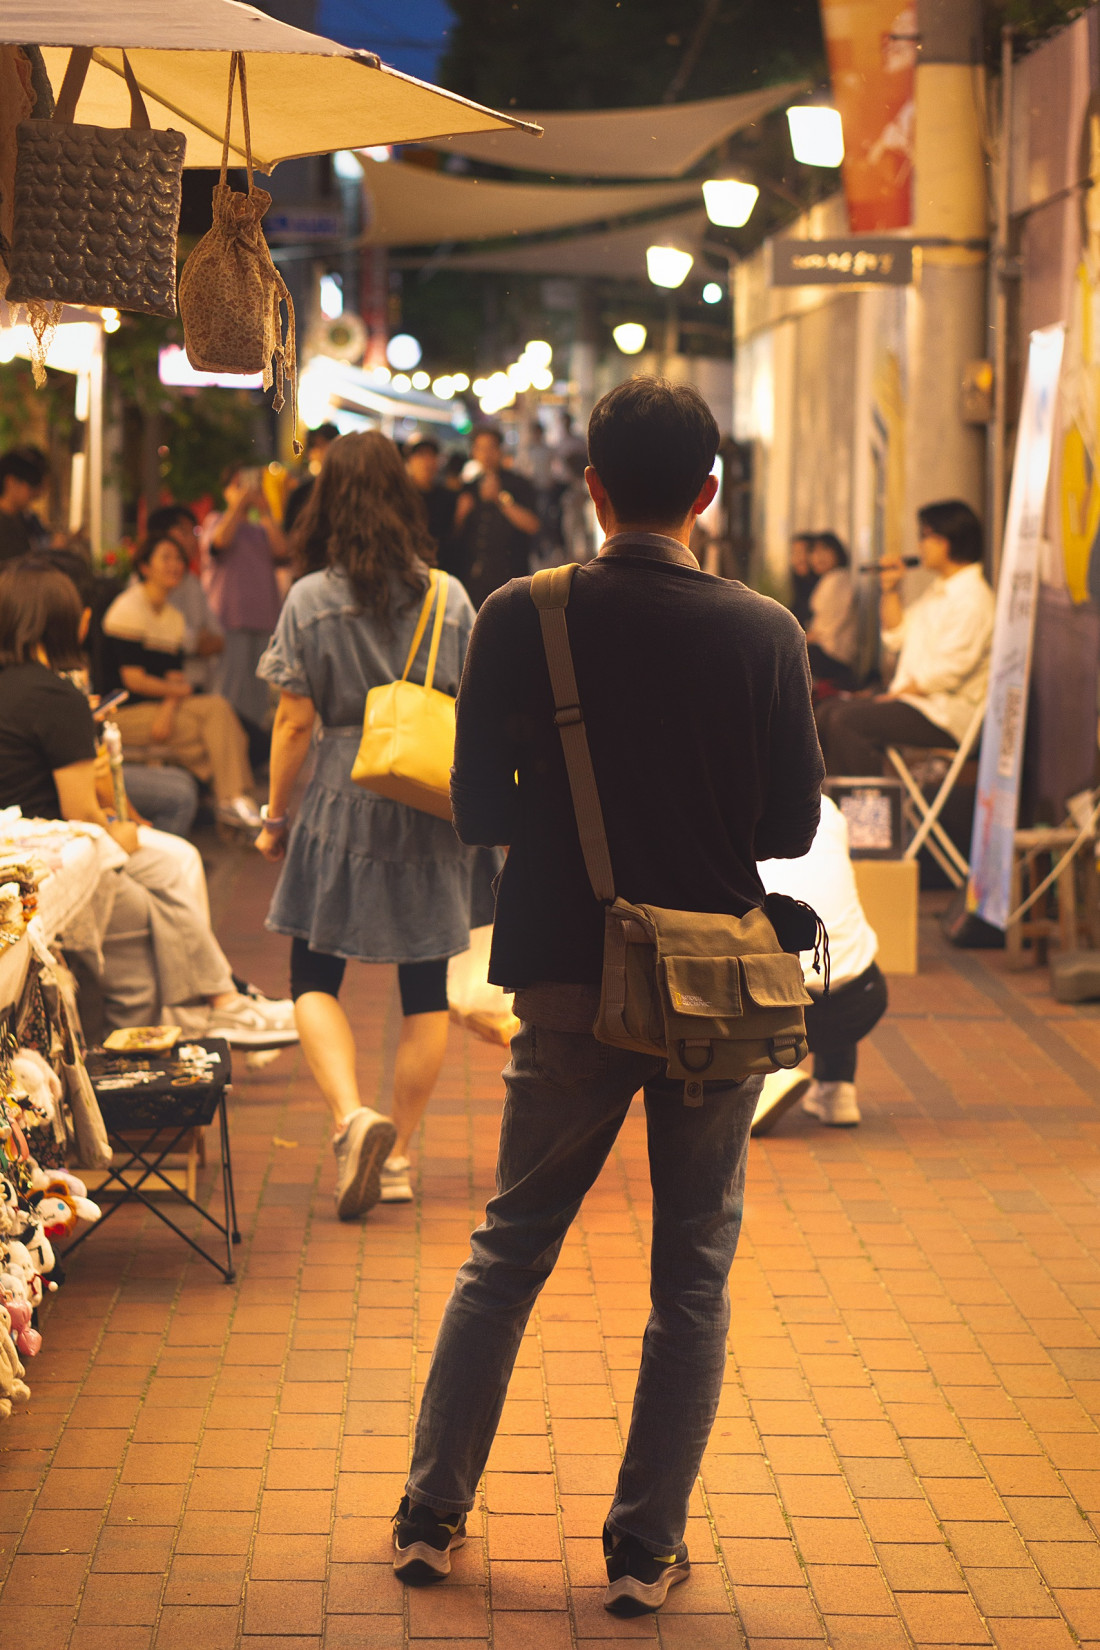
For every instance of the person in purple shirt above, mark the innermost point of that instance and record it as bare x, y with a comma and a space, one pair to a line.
240, 550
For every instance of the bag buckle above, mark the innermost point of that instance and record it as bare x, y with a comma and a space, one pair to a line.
567, 716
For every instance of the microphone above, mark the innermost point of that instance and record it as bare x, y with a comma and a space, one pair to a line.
904, 561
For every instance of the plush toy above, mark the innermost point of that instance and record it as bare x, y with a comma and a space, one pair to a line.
40, 1250
13, 1389
11, 1216
27, 1339
41, 1088
52, 1186
20, 1276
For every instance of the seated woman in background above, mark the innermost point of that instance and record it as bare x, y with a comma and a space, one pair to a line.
832, 634
159, 953
803, 577
147, 635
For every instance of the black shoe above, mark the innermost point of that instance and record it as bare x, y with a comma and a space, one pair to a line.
423, 1541
638, 1580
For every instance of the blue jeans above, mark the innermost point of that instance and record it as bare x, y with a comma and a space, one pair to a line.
167, 797
567, 1097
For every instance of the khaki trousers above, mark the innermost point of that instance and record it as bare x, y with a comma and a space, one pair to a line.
207, 740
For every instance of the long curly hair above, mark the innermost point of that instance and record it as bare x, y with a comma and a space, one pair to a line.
365, 516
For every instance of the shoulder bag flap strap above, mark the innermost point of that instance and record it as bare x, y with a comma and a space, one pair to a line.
550, 593
421, 625
437, 630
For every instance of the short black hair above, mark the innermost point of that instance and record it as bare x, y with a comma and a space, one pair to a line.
956, 522
143, 553
652, 444
486, 429
323, 432
831, 542
168, 516
27, 464
424, 444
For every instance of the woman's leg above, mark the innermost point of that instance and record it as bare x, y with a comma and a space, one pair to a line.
208, 721
363, 1138
421, 1047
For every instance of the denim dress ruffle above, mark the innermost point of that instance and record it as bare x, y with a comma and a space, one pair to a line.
365, 877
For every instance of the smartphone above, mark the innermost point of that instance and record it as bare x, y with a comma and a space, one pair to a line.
112, 701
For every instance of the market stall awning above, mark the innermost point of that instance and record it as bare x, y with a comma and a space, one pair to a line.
307, 95
661, 142
618, 254
411, 206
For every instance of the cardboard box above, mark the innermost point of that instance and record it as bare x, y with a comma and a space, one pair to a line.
889, 892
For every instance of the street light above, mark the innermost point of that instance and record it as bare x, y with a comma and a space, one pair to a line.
668, 266
539, 353
712, 293
817, 134
403, 352
630, 337
729, 201
421, 380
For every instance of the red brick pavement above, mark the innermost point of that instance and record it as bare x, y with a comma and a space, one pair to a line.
907, 1451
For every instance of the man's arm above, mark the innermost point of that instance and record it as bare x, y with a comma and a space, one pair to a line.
793, 805
483, 779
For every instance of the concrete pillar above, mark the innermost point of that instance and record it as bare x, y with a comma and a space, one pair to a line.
950, 202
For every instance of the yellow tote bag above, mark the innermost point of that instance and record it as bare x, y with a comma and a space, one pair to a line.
408, 742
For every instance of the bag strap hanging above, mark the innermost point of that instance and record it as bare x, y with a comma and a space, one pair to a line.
550, 593
236, 67
421, 624
73, 84
437, 629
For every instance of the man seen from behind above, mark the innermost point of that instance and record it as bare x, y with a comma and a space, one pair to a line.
696, 696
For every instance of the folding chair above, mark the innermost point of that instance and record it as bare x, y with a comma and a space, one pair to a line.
929, 831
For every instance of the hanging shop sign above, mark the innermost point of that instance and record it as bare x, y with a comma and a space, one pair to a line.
851, 261
872, 47
1013, 630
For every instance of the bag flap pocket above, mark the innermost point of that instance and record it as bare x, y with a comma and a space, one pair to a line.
705, 987
774, 980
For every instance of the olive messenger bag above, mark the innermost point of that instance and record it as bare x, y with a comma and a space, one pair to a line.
717, 997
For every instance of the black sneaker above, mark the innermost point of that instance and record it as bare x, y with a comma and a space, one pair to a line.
638, 1580
423, 1541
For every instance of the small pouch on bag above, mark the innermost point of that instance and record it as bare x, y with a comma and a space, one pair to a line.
96, 208
230, 291
408, 744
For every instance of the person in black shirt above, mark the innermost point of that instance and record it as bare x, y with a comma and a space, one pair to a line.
696, 696
23, 473
318, 442
495, 522
422, 461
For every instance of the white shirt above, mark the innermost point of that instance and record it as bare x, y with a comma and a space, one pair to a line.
944, 641
824, 879
833, 615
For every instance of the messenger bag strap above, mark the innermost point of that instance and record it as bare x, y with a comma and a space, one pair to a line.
550, 594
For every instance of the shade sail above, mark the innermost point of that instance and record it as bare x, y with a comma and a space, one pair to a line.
661, 142
307, 95
615, 253
412, 206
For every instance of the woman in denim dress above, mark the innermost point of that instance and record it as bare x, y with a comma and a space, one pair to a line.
362, 877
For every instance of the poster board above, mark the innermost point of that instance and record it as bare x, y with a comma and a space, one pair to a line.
1013, 632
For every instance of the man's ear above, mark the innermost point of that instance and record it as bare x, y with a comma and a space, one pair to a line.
598, 494
706, 495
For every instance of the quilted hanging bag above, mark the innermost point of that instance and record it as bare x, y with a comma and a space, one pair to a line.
230, 291
97, 208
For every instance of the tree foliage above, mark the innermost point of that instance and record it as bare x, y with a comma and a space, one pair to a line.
1030, 20
599, 54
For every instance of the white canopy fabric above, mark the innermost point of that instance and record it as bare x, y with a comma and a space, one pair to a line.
615, 253
412, 206
661, 142
307, 95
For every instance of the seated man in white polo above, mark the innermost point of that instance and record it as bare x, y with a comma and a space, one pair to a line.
856, 1001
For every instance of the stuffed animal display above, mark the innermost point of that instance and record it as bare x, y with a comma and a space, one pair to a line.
38, 1206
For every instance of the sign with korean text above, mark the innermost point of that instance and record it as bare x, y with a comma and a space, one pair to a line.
872, 47
854, 261
1013, 630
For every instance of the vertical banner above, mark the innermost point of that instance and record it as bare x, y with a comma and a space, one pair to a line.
1013, 629
872, 46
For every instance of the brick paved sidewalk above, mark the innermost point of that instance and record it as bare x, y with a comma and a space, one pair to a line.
907, 1451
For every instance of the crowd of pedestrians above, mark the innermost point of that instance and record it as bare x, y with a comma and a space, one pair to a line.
242, 652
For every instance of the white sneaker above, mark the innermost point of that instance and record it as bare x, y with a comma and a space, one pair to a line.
242, 814
246, 1022
361, 1148
833, 1103
396, 1186
781, 1090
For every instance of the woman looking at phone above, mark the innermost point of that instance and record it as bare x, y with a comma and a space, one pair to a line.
241, 548
145, 635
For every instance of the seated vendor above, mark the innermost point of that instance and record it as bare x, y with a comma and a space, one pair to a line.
943, 641
833, 631
147, 636
159, 953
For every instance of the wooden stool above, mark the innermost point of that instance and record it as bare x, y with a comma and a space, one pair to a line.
1076, 891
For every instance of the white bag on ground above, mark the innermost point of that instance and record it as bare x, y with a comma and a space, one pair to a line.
482, 1008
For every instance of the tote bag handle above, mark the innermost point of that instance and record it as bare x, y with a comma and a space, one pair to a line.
437, 587
73, 84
